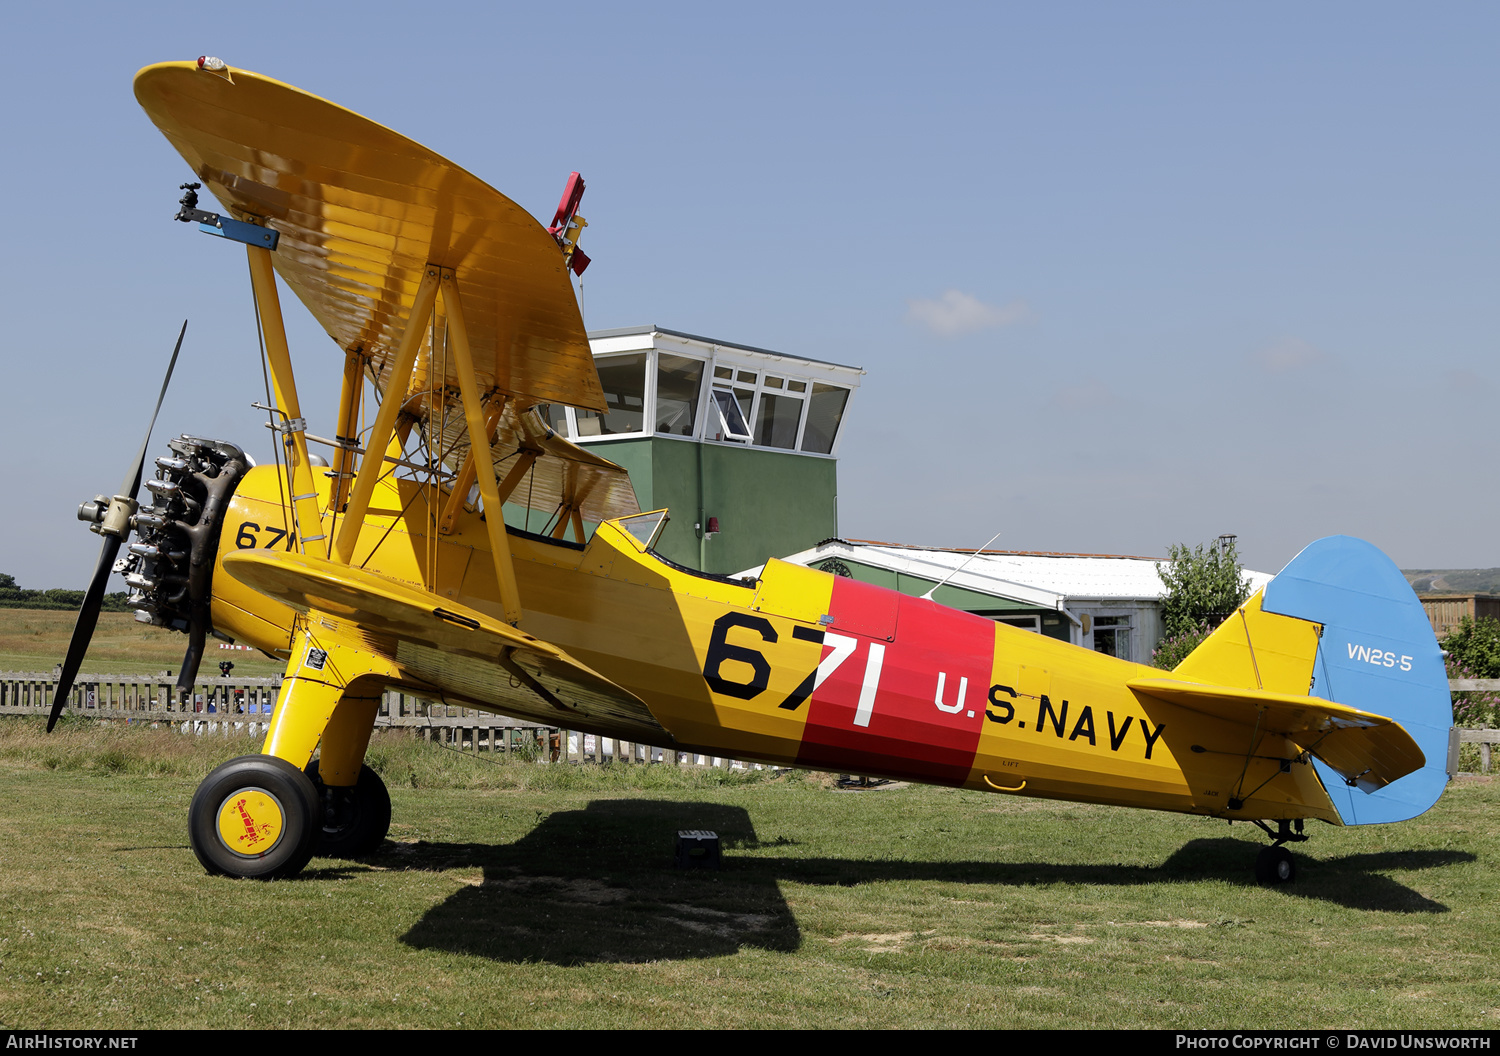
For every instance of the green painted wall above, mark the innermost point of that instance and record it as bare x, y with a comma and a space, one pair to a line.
769, 503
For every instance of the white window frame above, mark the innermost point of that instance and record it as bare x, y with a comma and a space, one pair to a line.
718, 413
736, 360
759, 389
648, 401
1132, 625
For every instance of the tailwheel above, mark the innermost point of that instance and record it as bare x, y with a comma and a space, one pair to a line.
354, 820
1275, 865
254, 817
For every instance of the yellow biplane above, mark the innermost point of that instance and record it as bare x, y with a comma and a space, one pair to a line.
1322, 697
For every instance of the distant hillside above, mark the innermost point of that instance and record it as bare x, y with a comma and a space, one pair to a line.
1453, 580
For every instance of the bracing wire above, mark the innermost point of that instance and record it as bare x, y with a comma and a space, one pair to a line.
530, 479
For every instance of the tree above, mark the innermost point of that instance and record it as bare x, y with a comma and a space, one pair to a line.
1204, 585
13, 597
1473, 649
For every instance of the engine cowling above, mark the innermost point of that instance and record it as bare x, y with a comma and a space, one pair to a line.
170, 567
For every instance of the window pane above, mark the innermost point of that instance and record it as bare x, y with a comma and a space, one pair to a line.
677, 385
776, 421
824, 412
730, 424
1112, 636
645, 526
624, 381
555, 415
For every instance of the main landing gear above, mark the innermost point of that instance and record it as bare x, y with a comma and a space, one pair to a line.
260, 817
1275, 864
354, 820
255, 816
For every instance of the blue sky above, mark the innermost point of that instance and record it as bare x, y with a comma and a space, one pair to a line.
1121, 275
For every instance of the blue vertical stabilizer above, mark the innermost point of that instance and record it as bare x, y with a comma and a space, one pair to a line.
1378, 654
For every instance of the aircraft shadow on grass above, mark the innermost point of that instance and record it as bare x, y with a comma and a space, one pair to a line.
598, 884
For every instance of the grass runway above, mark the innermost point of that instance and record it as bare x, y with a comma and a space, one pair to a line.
515, 894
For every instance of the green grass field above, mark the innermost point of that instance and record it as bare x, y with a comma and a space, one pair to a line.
544, 896
36, 640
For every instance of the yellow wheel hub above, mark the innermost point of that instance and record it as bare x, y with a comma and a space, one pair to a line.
251, 822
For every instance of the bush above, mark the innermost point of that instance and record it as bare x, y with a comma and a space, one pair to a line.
1476, 645
1473, 649
1204, 585
1170, 652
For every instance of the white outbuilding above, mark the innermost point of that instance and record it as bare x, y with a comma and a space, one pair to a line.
1106, 602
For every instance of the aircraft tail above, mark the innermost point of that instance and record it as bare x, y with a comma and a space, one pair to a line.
1256, 649
1376, 653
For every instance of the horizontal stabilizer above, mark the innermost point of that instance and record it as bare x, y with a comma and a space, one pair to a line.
1367, 751
464, 653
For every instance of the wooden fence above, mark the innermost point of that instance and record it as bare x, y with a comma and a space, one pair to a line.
243, 705
1483, 738
225, 706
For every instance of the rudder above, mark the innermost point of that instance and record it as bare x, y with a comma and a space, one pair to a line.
1377, 653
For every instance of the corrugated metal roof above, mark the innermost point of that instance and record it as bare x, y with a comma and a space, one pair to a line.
1045, 579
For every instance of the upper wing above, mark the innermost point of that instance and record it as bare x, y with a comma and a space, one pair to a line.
362, 210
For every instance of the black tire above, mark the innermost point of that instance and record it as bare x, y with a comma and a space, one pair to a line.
354, 820
1275, 865
260, 799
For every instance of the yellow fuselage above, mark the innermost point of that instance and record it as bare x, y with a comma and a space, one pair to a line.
804, 668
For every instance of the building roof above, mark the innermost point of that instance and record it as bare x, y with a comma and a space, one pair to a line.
1047, 580
651, 328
